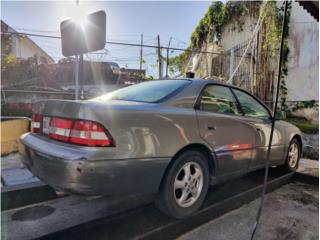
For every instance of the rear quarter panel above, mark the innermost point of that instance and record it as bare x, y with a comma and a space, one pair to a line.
152, 132
140, 130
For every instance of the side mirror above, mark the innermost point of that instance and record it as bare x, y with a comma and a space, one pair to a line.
280, 115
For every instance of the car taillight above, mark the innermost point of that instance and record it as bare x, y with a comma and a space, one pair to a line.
81, 132
60, 128
36, 123
89, 133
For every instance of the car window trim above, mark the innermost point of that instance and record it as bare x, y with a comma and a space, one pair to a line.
255, 98
239, 106
198, 101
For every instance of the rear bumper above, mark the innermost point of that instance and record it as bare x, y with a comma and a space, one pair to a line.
73, 171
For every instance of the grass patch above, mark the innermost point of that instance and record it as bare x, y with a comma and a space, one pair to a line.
304, 125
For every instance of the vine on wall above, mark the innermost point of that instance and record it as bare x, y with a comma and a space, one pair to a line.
285, 58
211, 25
218, 15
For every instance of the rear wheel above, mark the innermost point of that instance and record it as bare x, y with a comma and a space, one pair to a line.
293, 156
185, 185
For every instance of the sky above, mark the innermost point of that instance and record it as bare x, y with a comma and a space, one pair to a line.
126, 21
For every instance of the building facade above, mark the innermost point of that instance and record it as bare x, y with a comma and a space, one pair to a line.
20, 46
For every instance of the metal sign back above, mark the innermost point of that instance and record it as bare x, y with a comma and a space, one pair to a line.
86, 37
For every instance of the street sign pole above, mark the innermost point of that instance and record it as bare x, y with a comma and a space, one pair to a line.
76, 74
81, 75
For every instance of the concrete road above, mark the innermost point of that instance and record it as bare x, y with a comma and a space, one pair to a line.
291, 212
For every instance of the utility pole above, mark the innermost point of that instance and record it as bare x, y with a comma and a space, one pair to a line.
167, 75
141, 51
159, 58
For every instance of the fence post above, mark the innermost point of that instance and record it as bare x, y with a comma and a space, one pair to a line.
231, 64
141, 51
159, 58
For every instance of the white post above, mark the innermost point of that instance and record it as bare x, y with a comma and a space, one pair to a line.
76, 75
231, 65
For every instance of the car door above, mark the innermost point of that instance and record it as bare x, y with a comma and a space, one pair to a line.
259, 117
223, 127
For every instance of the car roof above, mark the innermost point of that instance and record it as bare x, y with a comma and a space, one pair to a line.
212, 81
204, 81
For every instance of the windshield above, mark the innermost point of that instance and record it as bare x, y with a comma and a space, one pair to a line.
150, 92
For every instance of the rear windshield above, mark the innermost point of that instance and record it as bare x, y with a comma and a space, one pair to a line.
150, 92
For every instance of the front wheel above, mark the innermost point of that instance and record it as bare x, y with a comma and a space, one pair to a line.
293, 156
185, 185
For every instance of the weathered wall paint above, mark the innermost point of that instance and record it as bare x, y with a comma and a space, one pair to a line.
303, 65
231, 36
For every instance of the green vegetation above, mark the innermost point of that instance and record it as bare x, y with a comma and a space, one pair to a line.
285, 57
304, 104
303, 124
219, 14
210, 27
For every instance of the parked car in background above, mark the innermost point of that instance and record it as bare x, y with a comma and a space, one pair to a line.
172, 138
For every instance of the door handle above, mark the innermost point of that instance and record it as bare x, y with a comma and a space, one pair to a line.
254, 125
211, 128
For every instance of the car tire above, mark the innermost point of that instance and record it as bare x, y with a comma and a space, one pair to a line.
183, 191
293, 155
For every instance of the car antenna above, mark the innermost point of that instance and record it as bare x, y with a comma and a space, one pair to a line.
190, 74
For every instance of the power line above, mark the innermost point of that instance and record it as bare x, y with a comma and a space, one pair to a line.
115, 43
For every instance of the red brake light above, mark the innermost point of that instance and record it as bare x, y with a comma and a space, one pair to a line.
89, 133
60, 129
36, 123
83, 132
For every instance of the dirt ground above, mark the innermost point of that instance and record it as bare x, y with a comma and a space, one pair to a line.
290, 213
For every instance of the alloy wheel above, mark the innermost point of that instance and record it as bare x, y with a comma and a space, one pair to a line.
293, 155
188, 184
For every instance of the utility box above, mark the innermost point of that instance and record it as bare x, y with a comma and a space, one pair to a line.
11, 130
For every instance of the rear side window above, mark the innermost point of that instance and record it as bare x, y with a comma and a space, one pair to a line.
250, 106
151, 91
218, 99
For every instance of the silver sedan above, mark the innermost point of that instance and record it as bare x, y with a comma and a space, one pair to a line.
172, 138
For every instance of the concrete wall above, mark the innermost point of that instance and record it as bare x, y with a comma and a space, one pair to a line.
303, 65
231, 36
303, 76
